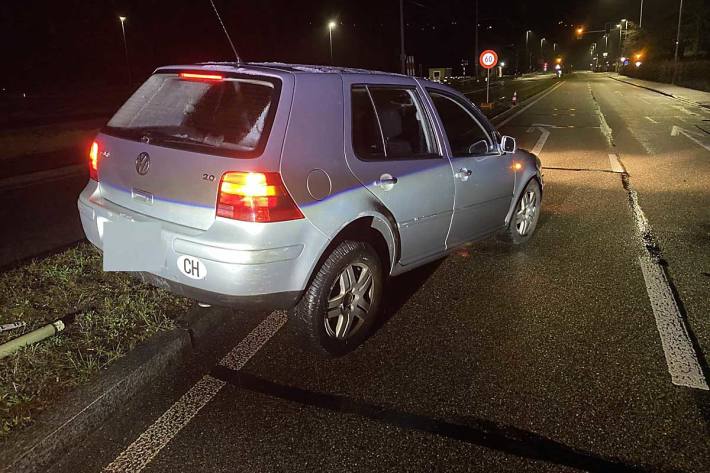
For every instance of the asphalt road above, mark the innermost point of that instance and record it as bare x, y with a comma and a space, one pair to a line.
542, 358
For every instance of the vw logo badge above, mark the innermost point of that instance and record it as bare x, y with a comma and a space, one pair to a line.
143, 164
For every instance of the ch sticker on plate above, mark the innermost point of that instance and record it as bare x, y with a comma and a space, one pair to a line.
192, 267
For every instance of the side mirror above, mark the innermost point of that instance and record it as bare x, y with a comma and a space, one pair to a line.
508, 145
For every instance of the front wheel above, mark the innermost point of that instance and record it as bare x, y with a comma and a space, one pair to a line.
525, 215
338, 310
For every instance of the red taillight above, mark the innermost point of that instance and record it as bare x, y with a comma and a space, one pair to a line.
94, 161
195, 76
255, 197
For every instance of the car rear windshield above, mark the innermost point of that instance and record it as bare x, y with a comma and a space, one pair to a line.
227, 115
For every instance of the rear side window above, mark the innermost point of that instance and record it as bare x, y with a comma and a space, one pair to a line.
466, 135
232, 115
390, 123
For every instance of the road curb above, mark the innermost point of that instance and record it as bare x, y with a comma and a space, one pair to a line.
677, 97
84, 410
22, 180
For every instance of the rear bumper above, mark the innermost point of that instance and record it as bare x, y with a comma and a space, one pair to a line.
279, 300
248, 265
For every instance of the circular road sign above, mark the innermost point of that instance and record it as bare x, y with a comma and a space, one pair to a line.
488, 59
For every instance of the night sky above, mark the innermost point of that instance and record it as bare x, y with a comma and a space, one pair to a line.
52, 45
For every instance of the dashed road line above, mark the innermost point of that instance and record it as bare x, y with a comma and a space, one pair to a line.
142, 451
651, 120
544, 135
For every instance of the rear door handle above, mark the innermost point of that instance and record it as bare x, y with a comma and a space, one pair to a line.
464, 174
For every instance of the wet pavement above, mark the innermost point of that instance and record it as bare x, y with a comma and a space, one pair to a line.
541, 358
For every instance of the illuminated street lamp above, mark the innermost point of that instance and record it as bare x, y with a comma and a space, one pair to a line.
123, 19
331, 27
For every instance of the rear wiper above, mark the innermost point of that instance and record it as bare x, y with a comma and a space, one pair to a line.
180, 139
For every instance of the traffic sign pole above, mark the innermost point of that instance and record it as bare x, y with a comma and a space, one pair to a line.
488, 60
488, 84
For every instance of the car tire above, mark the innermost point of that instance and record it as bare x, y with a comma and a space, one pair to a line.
330, 319
526, 213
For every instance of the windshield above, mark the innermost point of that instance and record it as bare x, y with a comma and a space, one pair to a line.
229, 114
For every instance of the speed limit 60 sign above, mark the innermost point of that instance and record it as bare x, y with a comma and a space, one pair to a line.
488, 59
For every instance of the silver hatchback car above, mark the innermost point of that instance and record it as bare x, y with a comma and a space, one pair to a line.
299, 187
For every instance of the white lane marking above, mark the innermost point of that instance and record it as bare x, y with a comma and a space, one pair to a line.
680, 356
646, 101
545, 94
242, 353
616, 165
651, 120
678, 350
684, 110
544, 135
676, 130
142, 451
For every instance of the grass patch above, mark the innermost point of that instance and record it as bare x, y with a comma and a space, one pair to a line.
116, 312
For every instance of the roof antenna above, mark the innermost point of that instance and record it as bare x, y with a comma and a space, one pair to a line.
236, 54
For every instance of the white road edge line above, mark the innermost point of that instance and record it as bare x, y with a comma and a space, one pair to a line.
651, 120
545, 94
681, 358
616, 165
142, 451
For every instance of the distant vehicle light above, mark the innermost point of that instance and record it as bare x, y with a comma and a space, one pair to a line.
638, 63
94, 161
195, 76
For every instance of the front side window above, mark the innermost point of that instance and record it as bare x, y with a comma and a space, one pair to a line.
390, 123
466, 135
231, 115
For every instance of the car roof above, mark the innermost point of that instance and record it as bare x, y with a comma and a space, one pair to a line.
281, 67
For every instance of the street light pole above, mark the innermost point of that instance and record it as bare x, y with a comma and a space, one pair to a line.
331, 25
476, 40
527, 49
677, 42
542, 51
641, 16
122, 19
402, 55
